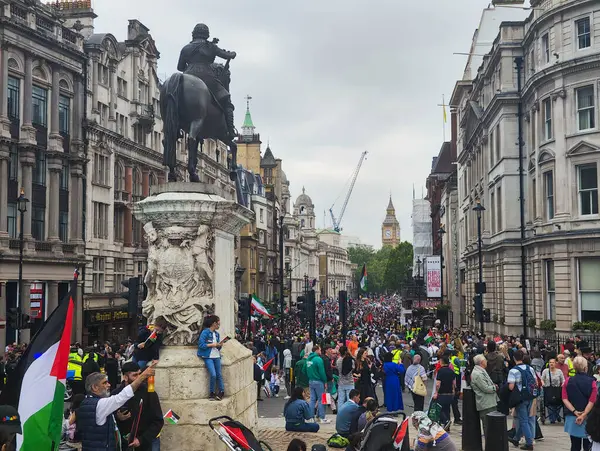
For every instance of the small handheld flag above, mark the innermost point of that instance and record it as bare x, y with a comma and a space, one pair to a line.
171, 417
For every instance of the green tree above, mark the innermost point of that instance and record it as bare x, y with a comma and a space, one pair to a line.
398, 266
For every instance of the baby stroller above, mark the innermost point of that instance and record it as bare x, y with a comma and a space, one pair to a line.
381, 432
235, 435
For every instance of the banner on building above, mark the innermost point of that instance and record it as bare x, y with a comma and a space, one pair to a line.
434, 277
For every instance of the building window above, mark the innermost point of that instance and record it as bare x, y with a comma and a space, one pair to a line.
497, 143
533, 131
119, 184
586, 110
137, 185
550, 290
584, 37
100, 220
261, 264
549, 195
261, 237
587, 176
534, 198
64, 176
547, 104
493, 212
64, 115
589, 289
98, 274
119, 224
101, 169
13, 163
546, 47
499, 208
261, 214
40, 106
38, 219
14, 103
120, 265
12, 220
63, 226
39, 171
252, 264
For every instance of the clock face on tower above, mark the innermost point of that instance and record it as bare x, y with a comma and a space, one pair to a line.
388, 233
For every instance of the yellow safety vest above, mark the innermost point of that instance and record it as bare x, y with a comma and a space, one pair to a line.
571, 367
456, 365
87, 357
75, 363
396, 355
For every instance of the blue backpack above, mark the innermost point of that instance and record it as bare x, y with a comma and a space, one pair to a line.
529, 386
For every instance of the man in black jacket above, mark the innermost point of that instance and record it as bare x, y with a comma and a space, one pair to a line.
149, 342
151, 421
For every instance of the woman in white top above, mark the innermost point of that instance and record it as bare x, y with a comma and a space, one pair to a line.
552, 379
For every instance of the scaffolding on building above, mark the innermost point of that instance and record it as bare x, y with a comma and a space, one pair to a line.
422, 237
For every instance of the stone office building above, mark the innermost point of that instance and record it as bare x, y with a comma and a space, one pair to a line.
41, 151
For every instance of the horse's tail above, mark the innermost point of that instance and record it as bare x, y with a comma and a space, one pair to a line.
171, 126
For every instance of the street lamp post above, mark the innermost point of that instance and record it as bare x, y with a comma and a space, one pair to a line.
281, 280
419, 282
22, 207
478, 208
441, 233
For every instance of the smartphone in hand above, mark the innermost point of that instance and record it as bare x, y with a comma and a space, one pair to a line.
225, 340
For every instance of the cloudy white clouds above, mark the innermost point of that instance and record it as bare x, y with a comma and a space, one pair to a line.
329, 79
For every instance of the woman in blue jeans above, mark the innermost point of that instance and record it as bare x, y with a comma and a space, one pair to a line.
296, 411
209, 345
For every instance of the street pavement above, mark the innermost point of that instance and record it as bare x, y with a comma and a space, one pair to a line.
271, 427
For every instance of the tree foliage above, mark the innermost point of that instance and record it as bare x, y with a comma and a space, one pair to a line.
388, 268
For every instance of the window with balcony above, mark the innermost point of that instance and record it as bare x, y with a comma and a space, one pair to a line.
38, 222
101, 169
586, 108
583, 31
549, 195
12, 220
14, 104
39, 170
100, 220
547, 106
550, 290
587, 181
63, 226
546, 47
98, 265
40, 106
589, 289
64, 115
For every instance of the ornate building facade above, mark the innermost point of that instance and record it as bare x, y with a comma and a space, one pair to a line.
42, 152
390, 228
336, 272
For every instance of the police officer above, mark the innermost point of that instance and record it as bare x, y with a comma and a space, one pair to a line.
75, 365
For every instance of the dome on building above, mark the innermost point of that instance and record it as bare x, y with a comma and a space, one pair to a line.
304, 199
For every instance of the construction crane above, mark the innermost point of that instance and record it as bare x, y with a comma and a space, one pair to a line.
337, 222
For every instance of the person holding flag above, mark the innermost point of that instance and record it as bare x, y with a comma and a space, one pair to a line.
149, 342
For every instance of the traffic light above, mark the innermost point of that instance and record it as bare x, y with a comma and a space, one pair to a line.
487, 316
13, 318
303, 308
132, 296
243, 310
478, 305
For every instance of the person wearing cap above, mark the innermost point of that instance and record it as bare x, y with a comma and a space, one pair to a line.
10, 425
95, 414
151, 421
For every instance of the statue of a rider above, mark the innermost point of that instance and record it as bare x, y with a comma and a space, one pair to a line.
197, 58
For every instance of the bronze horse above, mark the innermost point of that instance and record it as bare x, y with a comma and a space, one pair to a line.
186, 104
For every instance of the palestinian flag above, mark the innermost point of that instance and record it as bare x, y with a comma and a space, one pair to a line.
171, 417
363, 279
257, 307
429, 337
37, 385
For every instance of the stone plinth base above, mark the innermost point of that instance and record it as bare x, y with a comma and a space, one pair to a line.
182, 384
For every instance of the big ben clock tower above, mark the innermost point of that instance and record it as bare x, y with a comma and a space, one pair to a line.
390, 229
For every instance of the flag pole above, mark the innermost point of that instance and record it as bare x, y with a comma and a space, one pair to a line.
444, 118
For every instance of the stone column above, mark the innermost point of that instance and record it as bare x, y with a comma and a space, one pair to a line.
2, 315
27, 135
113, 92
4, 158
55, 143
135, 83
145, 183
95, 62
27, 158
54, 167
25, 305
52, 298
4, 121
128, 217
78, 94
76, 207
204, 272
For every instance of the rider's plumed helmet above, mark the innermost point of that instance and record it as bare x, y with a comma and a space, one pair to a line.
201, 31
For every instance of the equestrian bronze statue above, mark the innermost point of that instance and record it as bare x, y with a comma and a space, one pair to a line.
197, 102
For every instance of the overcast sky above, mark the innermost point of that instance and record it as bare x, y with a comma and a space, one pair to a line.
329, 79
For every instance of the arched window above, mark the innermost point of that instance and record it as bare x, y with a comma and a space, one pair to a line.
137, 183
119, 177
302, 223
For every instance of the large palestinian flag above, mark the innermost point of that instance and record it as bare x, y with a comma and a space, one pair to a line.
363, 279
37, 386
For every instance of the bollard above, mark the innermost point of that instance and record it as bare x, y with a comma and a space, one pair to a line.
496, 435
471, 431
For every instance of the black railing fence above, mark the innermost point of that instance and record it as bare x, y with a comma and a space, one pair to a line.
556, 340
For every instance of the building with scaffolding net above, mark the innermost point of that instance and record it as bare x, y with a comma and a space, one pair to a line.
421, 226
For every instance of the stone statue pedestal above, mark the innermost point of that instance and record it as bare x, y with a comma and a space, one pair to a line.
191, 230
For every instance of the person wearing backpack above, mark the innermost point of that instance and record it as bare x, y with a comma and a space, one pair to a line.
523, 379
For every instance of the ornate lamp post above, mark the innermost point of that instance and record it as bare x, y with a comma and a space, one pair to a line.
22, 202
478, 208
441, 233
